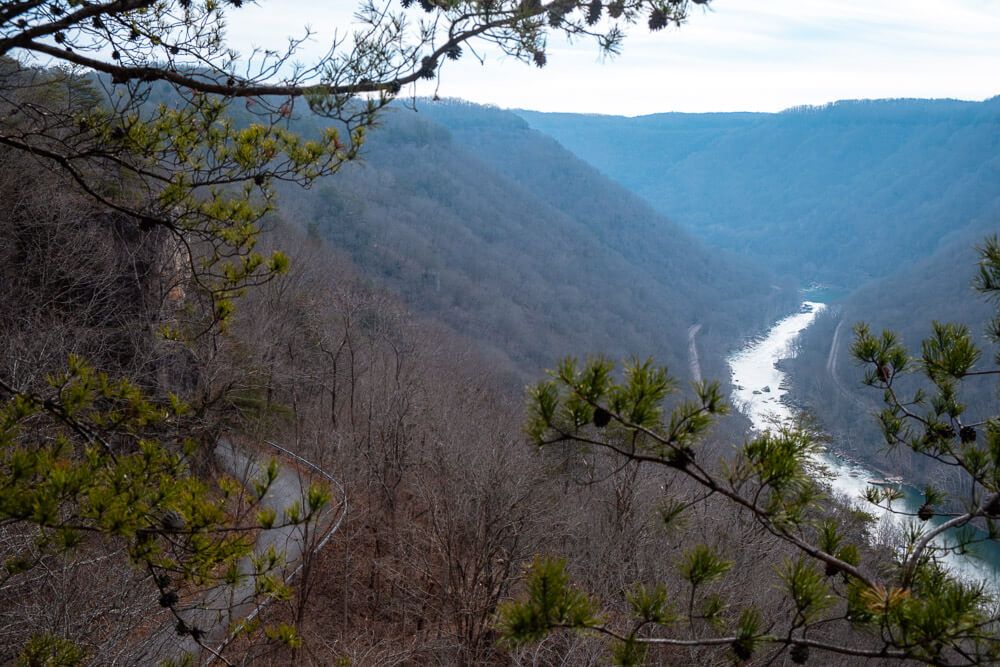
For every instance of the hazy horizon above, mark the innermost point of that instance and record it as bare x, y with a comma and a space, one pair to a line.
740, 111
421, 101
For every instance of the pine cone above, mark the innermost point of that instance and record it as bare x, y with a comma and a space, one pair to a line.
594, 12
657, 20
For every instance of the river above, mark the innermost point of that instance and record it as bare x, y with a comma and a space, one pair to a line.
759, 390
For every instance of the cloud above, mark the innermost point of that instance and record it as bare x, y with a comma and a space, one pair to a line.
766, 55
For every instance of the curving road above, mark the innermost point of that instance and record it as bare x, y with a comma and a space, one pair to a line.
693, 352
831, 368
831, 359
220, 608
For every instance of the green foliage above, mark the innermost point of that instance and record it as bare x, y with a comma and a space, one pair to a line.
937, 613
949, 353
987, 281
988, 277
672, 513
266, 517
638, 398
82, 463
651, 604
829, 536
905, 302
318, 496
579, 400
285, 634
551, 602
779, 460
807, 589
84, 477
46, 650
713, 610
748, 630
183, 165
885, 353
629, 653
937, 610
702, 565
934, 424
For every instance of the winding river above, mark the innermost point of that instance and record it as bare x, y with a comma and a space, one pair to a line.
759, 390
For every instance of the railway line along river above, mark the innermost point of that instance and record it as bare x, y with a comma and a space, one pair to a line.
759, 389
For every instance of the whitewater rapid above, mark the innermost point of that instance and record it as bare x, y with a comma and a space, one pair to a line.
759, 389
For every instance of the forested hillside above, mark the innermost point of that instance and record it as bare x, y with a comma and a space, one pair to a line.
838, 194
499, 231
446, 504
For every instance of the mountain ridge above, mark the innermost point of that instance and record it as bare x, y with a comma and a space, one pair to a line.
770, 185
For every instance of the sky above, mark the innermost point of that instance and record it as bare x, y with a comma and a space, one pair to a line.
740, 55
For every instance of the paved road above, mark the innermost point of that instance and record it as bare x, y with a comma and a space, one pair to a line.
693, 352
221, 607
831, 359
831, 367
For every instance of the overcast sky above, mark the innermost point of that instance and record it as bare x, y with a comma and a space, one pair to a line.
755, 55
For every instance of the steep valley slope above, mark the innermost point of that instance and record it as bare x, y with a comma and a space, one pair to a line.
497, 230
